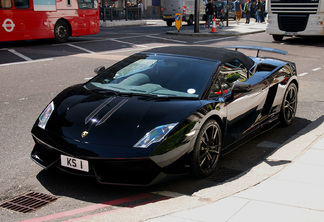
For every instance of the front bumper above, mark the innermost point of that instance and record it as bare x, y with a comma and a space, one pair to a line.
138, 171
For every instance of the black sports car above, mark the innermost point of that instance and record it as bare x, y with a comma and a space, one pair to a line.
166, 111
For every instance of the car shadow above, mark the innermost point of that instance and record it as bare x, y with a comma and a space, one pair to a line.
317, 41
233, 165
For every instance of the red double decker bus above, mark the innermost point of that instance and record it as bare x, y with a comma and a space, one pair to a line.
39, 19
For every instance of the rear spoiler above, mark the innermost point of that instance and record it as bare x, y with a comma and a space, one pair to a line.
257, 48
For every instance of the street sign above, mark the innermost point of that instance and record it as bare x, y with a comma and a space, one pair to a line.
178, 20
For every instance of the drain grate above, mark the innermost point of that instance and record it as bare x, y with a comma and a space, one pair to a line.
28, 202
222, 174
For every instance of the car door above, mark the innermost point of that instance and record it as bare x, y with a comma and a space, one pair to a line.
243, 108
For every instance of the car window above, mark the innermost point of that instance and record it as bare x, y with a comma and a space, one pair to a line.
229, 73
21, 3
158, 75
5, 4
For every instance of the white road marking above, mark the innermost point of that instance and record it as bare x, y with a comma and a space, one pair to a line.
129, 50
316, 69
303, 74
19, 54
32, 61
172, 40
128, 43
210, 40
81, 48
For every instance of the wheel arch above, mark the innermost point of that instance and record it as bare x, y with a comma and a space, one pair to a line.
296, 83
219, 121
67, 22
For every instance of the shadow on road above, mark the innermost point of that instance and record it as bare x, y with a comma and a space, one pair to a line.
233, 165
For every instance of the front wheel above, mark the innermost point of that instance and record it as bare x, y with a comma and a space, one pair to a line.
289, 105
277, 38
221, 24
61, 31
207, 150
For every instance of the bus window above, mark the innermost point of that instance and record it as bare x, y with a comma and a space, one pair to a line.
21, 3
5, 4
85, 4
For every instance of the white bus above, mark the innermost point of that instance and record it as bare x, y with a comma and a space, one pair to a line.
295, 18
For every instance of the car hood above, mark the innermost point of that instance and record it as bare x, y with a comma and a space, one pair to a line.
91, 118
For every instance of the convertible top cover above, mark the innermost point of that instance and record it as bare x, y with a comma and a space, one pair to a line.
214, 53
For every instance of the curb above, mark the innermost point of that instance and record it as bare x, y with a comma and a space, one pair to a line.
218, 33
273, 164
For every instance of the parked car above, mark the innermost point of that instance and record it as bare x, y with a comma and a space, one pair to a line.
164, 112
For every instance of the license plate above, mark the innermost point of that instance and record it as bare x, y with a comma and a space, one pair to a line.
167, 16
75, 163
291, 33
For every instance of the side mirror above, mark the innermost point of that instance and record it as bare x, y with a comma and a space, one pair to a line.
99, 69
241, 87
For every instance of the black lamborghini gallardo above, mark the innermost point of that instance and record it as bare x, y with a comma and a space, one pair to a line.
165, 111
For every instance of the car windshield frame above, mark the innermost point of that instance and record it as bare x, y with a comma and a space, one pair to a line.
156, 75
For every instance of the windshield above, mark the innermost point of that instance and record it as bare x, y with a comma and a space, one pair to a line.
156, 75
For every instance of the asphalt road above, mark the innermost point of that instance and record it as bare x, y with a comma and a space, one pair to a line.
33, 72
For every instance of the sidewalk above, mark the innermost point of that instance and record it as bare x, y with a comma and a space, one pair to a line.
287, 186
293, 191
230, 30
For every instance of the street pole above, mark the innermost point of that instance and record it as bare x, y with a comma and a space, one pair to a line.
196, 16
227, 8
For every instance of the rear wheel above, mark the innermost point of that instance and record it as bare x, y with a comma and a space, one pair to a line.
289, 105
207, 149
169, 23
61, 31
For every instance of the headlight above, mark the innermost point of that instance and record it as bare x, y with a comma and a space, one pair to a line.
155, 135
46, 114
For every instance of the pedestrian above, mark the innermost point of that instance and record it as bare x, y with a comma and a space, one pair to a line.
141, 9
262, 14
238, 11
258, 11
209, 12
247, 11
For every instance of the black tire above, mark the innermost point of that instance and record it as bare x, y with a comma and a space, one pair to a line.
207, 149
61, 31
221, 24
169, 23
289, 105
277, 38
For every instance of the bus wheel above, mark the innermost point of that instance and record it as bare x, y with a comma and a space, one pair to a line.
277, 38
169, 23
61, 31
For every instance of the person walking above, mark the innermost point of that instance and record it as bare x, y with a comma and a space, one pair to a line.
209, 12
238, 11
262, 14
258, 11
247, 11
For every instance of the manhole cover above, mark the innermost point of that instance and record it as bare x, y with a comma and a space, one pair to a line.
28, 202
222, 174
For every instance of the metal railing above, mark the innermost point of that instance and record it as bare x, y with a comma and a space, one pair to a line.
129, 13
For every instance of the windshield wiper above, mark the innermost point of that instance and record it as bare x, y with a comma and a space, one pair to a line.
166, 97
114, 92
